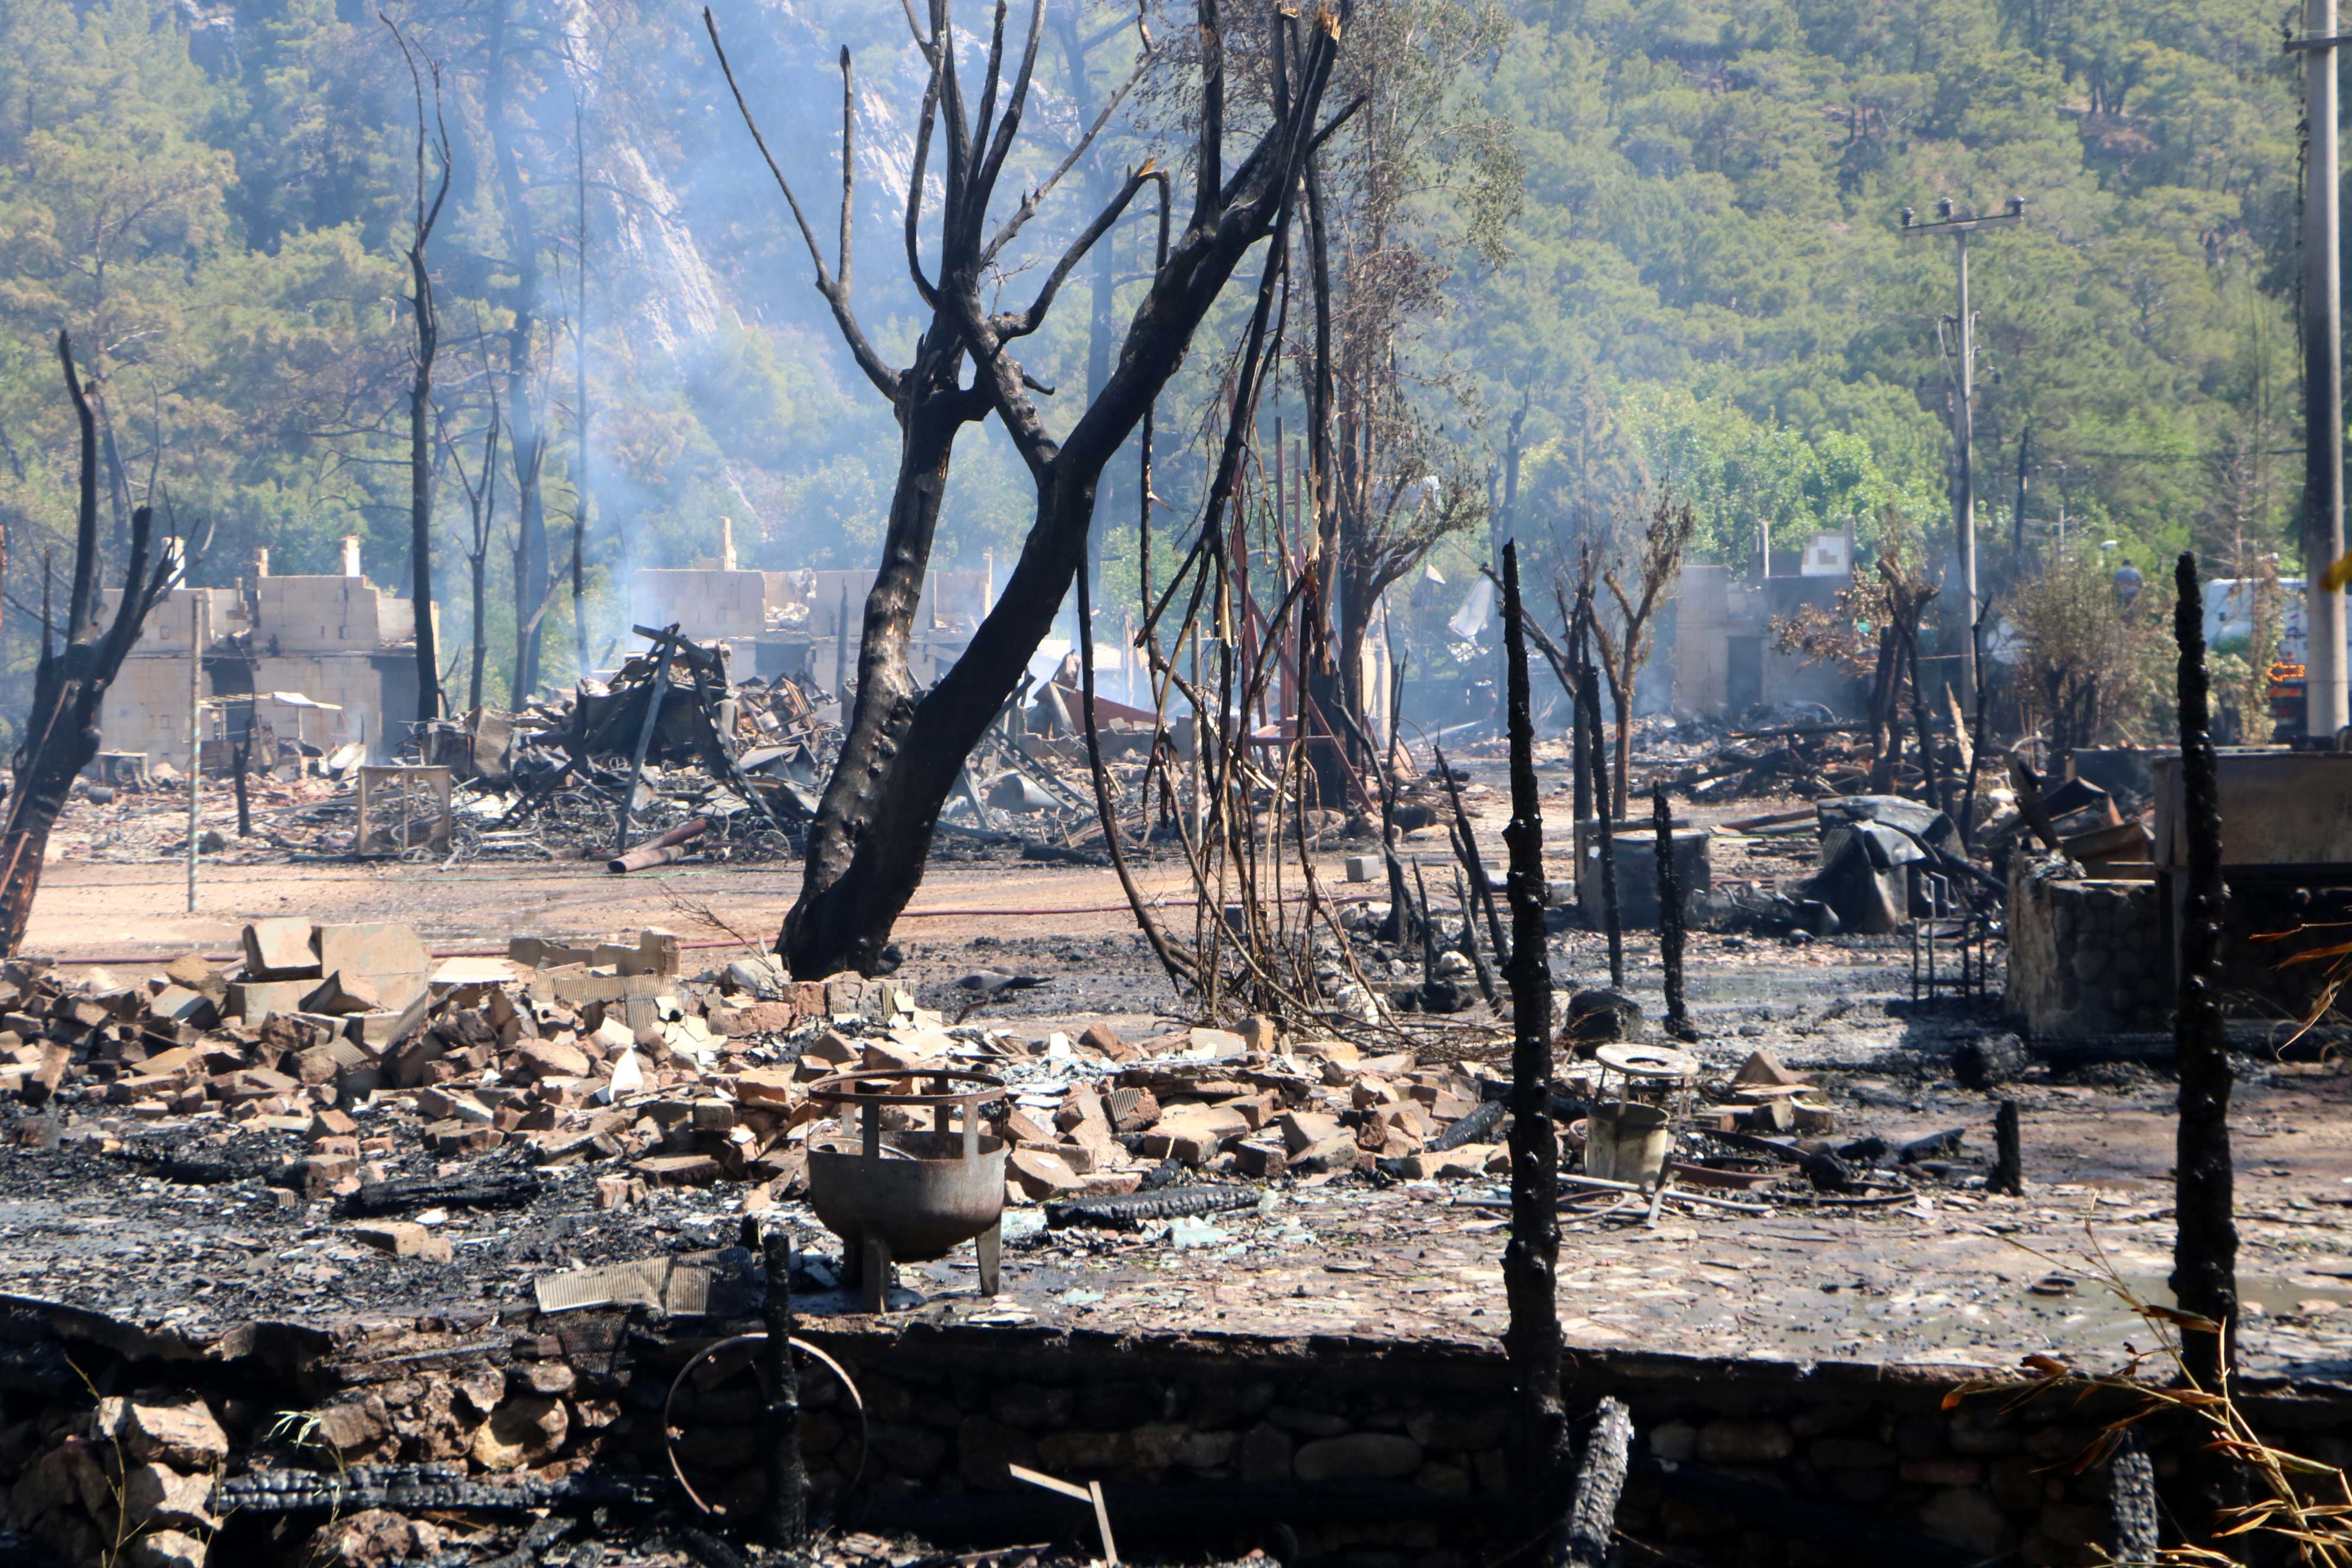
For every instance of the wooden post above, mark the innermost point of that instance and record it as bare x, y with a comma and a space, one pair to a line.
1531, 1256
1670, 920
664, 646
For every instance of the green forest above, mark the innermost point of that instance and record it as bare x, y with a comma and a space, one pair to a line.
1662, 249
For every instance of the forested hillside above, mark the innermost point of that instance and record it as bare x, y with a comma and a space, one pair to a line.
1709, 286
1695, 276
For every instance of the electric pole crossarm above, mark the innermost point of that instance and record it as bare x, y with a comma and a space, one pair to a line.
1963, 224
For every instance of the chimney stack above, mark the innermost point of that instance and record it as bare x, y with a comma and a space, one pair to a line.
261, 561
352, 555
727, 545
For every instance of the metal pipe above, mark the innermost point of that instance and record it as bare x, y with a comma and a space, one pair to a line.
1964, 473
2325, 703
195, 726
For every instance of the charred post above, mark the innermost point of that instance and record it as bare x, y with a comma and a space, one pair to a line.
2205, 1251
1670, 920
786, 1521
1603, 818
1531, 1257
2008, 1159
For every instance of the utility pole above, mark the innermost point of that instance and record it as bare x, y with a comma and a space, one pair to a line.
1964, 498
2323, 383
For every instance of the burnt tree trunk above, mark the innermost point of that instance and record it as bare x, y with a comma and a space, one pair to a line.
1931, 788
932, 410
900, 762
527, 440
2205, 1246
1531, 1256
61, 734
420, 400
1604, 820
1885, 735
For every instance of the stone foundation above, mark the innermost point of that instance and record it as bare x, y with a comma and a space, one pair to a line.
1379, 1454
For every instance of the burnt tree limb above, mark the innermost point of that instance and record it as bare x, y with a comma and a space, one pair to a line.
69, 683
1670, 921
1531, 1256
1592, 1524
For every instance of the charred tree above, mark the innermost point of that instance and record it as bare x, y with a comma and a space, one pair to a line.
902, 752
1604, 820
70, 682
2205, 1246
1531, 1256
525, 388
580, 393
482, 502
420, 382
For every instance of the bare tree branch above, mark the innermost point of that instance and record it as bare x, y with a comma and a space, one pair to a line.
836, 293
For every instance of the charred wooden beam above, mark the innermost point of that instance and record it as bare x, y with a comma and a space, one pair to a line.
1670, 920
1531, 1257
785, 1518
2205, 1245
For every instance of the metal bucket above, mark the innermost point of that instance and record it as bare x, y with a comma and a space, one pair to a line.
1622, 1142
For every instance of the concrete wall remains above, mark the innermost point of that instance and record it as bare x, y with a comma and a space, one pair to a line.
1722, 644
337, 640
2085, 957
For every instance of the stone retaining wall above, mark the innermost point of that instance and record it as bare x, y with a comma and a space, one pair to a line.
949, 1407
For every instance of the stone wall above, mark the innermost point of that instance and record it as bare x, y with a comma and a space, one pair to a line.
1381, 1454
2085, 957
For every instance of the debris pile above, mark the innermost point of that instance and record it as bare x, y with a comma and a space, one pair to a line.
337, 1059
1807, 758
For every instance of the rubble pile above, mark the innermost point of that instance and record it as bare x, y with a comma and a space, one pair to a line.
340, 1062
1805, 760
337, 1060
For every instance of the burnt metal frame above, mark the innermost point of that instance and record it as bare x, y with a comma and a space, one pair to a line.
873, 1267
